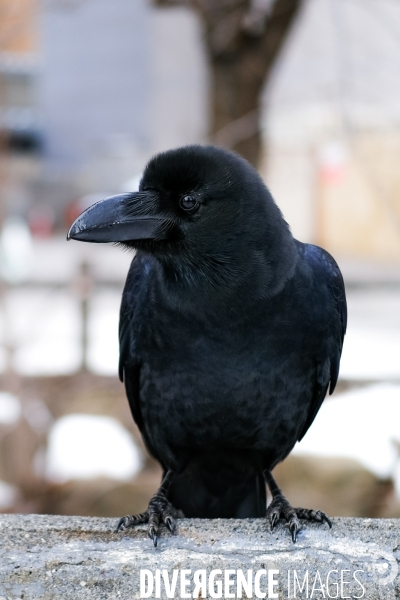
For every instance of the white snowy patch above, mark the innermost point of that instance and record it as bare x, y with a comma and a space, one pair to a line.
371, 346
45, 327
362, 425
15, 250
88, 446
8, 495
10, 409
103, 352
369, 353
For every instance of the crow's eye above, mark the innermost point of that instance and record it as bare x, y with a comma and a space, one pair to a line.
189, 203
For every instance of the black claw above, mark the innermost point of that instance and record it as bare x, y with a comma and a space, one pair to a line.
170, 523
120, 525
274, 520
327, 519
294, 530
153, 535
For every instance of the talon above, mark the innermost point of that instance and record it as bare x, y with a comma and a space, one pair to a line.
120, 525
327, 519
153, 535
170, 523
274, 519
294, 531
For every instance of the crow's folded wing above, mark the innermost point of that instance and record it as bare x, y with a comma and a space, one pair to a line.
327, 273
129, 327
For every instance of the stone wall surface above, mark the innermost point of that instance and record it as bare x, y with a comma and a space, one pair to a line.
46, 557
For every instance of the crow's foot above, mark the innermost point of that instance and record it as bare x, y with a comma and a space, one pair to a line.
159, 510
280, 508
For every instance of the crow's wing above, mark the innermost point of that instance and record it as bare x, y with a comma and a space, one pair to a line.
327, 273
129, 327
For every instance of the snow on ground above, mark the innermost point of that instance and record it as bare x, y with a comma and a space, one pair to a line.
88, 446
8, 495
362, 425
44, 325
103, 350
10, 409
370, 353
372, 344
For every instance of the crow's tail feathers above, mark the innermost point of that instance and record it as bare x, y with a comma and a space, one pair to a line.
224, 493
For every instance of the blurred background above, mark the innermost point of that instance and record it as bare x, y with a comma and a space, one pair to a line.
309, 92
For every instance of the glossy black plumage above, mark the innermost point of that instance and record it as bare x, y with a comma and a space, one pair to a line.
231, 331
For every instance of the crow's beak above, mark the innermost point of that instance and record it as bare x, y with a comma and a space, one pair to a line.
126, 217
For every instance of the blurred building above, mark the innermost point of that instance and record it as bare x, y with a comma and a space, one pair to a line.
18, 74
119, 81
19, 121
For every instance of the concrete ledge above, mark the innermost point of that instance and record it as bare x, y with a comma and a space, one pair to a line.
76, 557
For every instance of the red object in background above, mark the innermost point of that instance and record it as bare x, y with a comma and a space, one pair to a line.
333, 160
331, 174
41, 222
72, 211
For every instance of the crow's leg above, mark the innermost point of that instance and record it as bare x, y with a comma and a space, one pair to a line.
159, 509
280, 507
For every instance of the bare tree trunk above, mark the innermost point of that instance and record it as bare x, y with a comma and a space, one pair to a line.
243, 39
235, 108
241, 69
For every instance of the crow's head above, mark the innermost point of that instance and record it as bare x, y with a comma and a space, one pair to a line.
198, 206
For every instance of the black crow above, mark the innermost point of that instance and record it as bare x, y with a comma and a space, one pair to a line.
231, 332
